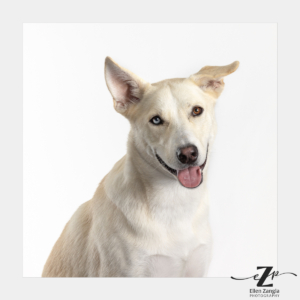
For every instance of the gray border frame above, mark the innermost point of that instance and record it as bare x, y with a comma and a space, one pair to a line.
13, 15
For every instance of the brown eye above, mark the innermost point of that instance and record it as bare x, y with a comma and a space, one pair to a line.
197, 111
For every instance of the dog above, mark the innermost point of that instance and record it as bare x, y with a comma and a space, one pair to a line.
149, 215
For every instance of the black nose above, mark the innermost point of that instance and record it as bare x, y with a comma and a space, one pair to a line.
187, 155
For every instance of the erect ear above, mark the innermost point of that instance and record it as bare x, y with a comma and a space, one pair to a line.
125, 87
210, 79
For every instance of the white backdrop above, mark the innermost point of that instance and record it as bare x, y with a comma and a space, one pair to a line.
73, 136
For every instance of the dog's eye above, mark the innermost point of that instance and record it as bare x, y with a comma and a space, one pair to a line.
197, 111
156, 120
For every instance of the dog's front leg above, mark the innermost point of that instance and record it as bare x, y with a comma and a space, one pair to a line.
198, 261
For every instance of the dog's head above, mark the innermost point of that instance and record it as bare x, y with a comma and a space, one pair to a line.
173, 120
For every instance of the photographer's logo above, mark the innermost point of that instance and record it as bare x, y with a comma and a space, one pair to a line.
267, 273
264, 281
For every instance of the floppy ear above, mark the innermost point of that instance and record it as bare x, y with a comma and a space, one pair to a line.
125, 87
210, 79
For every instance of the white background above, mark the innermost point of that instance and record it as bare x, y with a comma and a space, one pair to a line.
73, 136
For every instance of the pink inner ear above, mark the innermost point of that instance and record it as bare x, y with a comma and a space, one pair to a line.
124, 89
120, 89
214, 84
128, 91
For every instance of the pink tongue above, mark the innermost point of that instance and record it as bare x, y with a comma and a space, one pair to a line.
190, 177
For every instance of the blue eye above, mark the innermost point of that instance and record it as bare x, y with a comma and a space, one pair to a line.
156, 120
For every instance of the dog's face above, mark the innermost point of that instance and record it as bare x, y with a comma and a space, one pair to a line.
173, 120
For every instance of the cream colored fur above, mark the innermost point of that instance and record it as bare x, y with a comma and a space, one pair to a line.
141, 222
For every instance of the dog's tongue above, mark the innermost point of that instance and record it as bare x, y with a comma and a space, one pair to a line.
190, 177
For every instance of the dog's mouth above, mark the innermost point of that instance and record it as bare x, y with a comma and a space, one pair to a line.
190, 177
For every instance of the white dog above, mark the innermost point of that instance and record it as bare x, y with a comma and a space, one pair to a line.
149, 215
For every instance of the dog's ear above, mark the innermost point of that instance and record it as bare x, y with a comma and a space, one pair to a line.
125, 87
210, 79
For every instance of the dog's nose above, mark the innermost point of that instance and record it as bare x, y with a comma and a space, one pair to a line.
187, 155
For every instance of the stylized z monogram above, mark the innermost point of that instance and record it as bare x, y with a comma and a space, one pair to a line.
264, 276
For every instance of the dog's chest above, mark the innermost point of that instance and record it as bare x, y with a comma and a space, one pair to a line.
179, 232
178, 257
169, 224
165, 266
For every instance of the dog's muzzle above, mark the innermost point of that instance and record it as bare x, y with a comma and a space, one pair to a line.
192, 176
